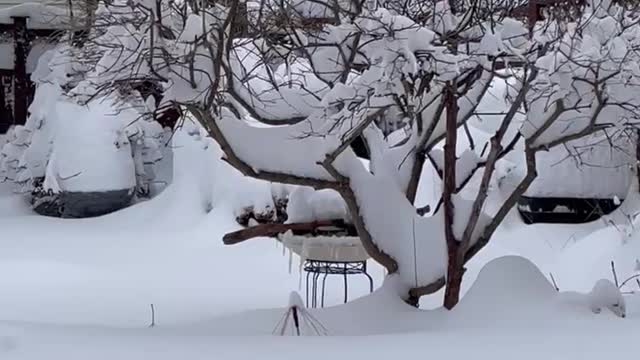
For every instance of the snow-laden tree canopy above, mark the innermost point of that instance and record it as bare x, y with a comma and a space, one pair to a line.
83, 133
286, 96
407, 70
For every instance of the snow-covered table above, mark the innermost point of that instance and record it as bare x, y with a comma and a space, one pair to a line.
316, 268
328, 255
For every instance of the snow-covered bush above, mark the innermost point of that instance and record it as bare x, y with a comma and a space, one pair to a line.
79, 139
606, 294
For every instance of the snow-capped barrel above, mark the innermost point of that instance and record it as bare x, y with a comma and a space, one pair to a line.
581, 181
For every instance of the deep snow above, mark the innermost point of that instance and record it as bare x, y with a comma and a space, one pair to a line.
82, 289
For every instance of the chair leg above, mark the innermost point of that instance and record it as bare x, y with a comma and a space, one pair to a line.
307, 287
370, 281
324, 280
316, 276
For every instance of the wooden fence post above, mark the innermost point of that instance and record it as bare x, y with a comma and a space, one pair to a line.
22, 45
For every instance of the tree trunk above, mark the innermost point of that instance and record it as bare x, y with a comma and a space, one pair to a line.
455, 272
455, 262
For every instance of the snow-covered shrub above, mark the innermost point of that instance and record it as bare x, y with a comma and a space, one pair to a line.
78, 140
606, 294
9, 156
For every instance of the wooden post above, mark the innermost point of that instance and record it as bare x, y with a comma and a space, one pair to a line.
22, 46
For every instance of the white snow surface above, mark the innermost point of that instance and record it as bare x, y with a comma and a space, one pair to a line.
79, 289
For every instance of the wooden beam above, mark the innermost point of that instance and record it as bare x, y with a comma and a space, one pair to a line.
8, 29
43, 33
272, 230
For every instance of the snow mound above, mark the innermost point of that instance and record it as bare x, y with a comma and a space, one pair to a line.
306, 205
509, 279
296, 300
589, 258
606, 294
104, 161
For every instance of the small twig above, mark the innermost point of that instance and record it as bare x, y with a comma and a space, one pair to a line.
296, 321
634, 277
153, 316
553, 280
615, 275
472, 144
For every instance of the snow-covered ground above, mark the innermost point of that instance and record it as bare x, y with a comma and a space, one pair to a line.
82, 289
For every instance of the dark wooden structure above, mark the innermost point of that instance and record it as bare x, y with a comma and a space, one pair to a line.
564, 210
16, 97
